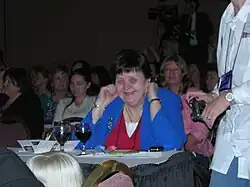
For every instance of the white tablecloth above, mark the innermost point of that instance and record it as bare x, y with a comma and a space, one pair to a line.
129, 160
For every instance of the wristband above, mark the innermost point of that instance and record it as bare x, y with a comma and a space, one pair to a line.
155, 99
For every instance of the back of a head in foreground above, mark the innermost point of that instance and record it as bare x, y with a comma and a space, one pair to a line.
14, 172
56, 169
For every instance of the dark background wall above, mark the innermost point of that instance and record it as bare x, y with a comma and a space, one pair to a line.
42, 32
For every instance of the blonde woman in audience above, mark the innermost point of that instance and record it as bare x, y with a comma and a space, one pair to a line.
81, 102
56, 169
175, 78
174, 73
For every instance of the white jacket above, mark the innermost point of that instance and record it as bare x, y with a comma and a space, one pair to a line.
233, 136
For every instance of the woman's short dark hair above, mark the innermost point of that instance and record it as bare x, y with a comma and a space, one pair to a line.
82, 72
84, 64
60, 68
128, 60
40, 69
20, 78
44, 72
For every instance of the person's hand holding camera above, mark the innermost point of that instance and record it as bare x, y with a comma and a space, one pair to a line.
201, 96
214, 109
216, 105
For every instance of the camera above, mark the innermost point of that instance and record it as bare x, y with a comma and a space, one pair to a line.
197, 109
163, 13
169, 16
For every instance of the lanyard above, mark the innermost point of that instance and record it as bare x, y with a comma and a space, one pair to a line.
237, 51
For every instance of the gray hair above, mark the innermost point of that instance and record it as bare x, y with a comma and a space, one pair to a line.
56, 169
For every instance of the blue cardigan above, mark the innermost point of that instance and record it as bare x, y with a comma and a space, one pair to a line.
165, 130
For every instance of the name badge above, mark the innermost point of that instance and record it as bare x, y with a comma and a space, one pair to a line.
226, 81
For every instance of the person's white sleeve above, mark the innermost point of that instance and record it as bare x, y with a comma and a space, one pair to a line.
242, 93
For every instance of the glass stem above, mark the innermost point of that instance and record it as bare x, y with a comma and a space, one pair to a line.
83, 149
61, 147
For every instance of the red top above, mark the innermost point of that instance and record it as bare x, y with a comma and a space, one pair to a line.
119, 138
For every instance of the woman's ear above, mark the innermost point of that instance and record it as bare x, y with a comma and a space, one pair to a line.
147, 81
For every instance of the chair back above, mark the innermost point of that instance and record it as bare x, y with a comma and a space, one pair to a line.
117, 180
11, 130
107, 172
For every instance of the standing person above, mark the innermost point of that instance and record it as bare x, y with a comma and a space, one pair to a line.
14, 172
231, 161
195, 32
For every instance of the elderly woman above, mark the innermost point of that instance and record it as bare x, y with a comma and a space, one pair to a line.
133, 113
175, 73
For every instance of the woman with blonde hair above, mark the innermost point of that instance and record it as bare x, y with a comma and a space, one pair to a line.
175, 72
56, 169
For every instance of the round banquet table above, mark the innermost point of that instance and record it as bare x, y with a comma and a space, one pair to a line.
168, 169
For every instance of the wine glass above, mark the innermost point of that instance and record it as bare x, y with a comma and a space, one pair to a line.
83, 133
62, 133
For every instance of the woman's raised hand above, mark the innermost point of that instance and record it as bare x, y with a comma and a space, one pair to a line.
107, 95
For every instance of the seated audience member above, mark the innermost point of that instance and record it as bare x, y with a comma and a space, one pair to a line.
100, 77
134, 113
81, 103
59, 85
211, 77
40, 82
175, 73
194, 74
23, 102
80, 64
56, 169
14, 172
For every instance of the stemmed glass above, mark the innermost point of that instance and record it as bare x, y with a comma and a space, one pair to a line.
83, 133
62, 133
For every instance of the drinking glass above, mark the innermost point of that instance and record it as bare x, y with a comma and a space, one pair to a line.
83, 133
62, 133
